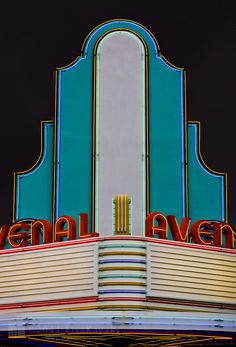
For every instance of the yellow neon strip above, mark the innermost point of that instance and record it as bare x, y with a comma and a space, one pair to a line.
130, 333
117, 214
85, 308
139, 307
195, 340
122, 253
142, 284
125, 215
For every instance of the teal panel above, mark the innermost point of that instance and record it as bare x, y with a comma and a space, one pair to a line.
166, 131
74, 140
206, 189
74, 130
73, 147
34, 188
74, 124
119, 25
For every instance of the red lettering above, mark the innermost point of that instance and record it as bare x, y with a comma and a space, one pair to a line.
179, 233
61, 233
200, 232
83, 227
219, 230
152, 230
17, 238
46, 228
3, 235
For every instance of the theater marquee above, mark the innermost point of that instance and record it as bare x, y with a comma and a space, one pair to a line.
119, 227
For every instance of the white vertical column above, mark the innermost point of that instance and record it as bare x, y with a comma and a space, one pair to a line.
120, 128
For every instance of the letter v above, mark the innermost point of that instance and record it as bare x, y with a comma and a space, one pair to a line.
179, 233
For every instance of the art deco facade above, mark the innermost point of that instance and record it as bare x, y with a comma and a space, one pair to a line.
119, 149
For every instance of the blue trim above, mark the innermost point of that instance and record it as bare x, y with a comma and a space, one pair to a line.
57, 164
183, 147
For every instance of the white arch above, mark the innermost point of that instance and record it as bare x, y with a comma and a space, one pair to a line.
120, 128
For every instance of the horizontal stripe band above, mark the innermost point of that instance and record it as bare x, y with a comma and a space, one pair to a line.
112, 261
120, 238
119, 291
122, 284
122, 276
122, 253
121, 246
129, 268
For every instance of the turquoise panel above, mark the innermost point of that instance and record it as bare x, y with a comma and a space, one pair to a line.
34, 188
74, 126
73, 161
74, 140
206, 189
119, 25
74, 130
166, 124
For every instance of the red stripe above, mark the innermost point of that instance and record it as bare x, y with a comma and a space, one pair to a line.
110, 238
172, 301
49, 245
94, 299
50, 303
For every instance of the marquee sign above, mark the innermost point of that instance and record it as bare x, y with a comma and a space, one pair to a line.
202, 232
119, 226
120, 149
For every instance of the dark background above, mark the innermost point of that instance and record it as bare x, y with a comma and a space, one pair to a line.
36, 36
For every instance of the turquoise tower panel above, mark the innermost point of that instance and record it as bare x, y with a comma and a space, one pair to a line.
206, 189
63, 181
33, 197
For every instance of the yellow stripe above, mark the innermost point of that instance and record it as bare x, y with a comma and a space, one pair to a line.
159, 308
126, 201
122, 253
140, 307
69, 309
122, 284
117, 214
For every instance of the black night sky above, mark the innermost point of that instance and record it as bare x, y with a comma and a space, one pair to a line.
38, 36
